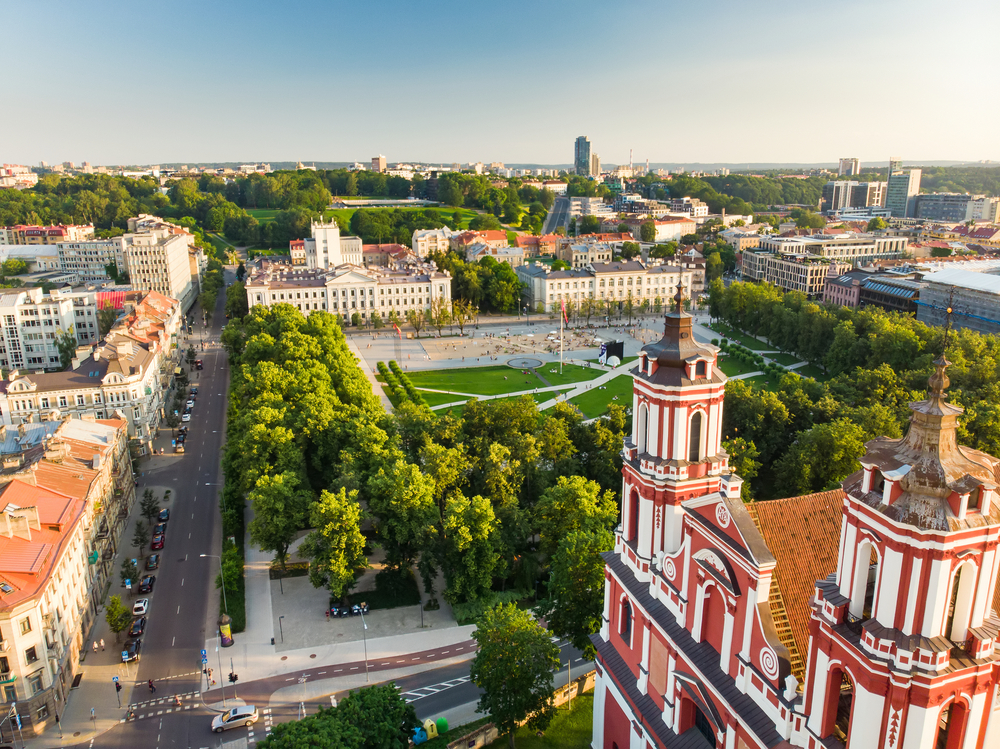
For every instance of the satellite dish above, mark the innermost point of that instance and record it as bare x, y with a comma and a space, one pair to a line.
613, 361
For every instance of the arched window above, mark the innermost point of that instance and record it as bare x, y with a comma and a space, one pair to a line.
694, 438
633, 517
960, 603
865, 582
951, 726
642, 429
625, 622
839, 704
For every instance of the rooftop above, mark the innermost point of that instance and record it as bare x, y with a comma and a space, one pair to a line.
965, 279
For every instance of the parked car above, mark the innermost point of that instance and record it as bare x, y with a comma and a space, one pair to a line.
194, 391
140, 607
237, 716
131, 651
146, 584
157, 542
190, 404
153, 562
138, 627
186, 417
160, 529
164, 515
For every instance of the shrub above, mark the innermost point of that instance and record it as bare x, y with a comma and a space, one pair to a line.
470, 611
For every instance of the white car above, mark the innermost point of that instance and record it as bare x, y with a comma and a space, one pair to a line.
237, 716
140, 607
190, 404
186, 418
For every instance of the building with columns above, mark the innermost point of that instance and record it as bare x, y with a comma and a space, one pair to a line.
901, 650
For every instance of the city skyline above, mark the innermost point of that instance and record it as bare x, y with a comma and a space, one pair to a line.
330, 82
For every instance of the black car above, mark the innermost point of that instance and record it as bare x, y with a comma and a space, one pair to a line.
194, 391
153, 561
146, 584
160, 529
138, 627
131, 651
181, 438
164, 515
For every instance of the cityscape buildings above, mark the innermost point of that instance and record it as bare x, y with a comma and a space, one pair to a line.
849, 167
901, 193
969, 299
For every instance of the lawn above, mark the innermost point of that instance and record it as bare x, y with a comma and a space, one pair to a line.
263, 215
572, 373
731, 367
569, 729
734, 335
476, 380
436, 399
446, 214
595, 402
784, 360
811, 370
764, 382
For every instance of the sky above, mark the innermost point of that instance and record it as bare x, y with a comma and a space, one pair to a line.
516, 81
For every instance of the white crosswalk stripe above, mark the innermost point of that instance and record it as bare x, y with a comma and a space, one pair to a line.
418, 694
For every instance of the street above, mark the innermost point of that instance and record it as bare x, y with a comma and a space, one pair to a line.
558, 216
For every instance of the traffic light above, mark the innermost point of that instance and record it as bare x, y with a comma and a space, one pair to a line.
118, 686
233, 678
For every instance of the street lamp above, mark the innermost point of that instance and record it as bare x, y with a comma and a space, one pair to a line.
222, 574
281, 631
364, 634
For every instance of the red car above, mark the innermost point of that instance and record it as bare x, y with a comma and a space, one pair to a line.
157, 543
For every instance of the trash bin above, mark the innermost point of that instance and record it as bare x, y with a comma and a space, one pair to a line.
442, 725
419, 736
430, 728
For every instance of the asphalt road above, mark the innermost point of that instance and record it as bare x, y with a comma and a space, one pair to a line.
558, 216
431, 693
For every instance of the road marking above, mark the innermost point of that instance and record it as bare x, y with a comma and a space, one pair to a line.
292, 679
172, 639
338, 670
322, 672
178, 609
189, 536
354, 668
444, 652
192, 516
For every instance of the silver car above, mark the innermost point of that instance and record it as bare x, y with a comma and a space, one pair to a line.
237, 716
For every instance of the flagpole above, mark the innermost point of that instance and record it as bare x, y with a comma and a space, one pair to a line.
561, 318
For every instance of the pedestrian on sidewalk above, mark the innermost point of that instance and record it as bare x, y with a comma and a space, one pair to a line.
152, 687
95, 646
102, 644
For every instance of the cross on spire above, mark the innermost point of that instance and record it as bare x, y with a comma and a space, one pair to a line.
679, 296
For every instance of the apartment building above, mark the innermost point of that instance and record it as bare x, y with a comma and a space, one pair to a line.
513, 256
741, 240
849, 167
956, 207
23, 234
384, 255
609, 283
326, 248
792, 272
581, 156
65, 493
493, 238
581, 254
349, 289
849, 246
691, 206
17, 176
31, 323
972, 298
124, 377
579, 207
841, 194
425, 242
378, 163
901, 192
159, 261
534, 246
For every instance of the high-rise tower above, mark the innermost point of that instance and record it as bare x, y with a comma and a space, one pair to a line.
581, 156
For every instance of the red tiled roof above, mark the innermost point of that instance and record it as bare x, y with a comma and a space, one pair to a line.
803, 533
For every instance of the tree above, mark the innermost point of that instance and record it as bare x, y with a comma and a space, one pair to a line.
471, 543
280, 504
630, 250
356, 319
647, 231
629, 306
335, 548
440, 313
66, 343
514, 667
461, 313
236, 301
241, 272
743, 461
416, 318
576, 587
140, 538
876, 224
401, 498
713, 266
377, 322
589, 225
382, 715
574, 503
821, 457
129, 571
149, 506
118, 616
191, 355
106, 317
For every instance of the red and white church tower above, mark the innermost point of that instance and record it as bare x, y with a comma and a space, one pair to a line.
688, 653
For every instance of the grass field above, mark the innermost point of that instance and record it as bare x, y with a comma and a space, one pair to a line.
570, 729
263, 215
764, 382
571, 373
784, 360
476, 380
731, 367
446, 214
811, 370
595, 402
734, 335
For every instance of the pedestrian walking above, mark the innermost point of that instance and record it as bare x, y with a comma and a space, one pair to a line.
102, 644
95, 646
152, 687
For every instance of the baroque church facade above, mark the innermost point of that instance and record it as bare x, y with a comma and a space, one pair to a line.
898, 643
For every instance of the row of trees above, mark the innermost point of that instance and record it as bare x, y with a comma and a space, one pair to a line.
486, 284
807, 435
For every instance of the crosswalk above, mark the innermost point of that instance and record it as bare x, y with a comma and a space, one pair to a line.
161, 706
419, 694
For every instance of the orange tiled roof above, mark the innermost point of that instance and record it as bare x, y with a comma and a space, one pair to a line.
803, 533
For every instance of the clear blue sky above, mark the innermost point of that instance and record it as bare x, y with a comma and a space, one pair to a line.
516, 81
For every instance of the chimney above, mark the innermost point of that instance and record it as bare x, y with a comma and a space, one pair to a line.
97, 462
18, 526
97, 354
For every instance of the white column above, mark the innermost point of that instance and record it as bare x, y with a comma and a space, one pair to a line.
643, 681
653, 419
920, 727
937, 592
912, 594
820, 679
978, 714
866, 719
984, 593
606, 616
727, 638
679, 451
699, 609
600, 694
889, 585
668, 692
751, 608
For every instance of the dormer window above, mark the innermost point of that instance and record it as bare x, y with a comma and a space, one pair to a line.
699, 369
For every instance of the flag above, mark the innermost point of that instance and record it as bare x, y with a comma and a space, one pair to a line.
398, 331
563, 305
